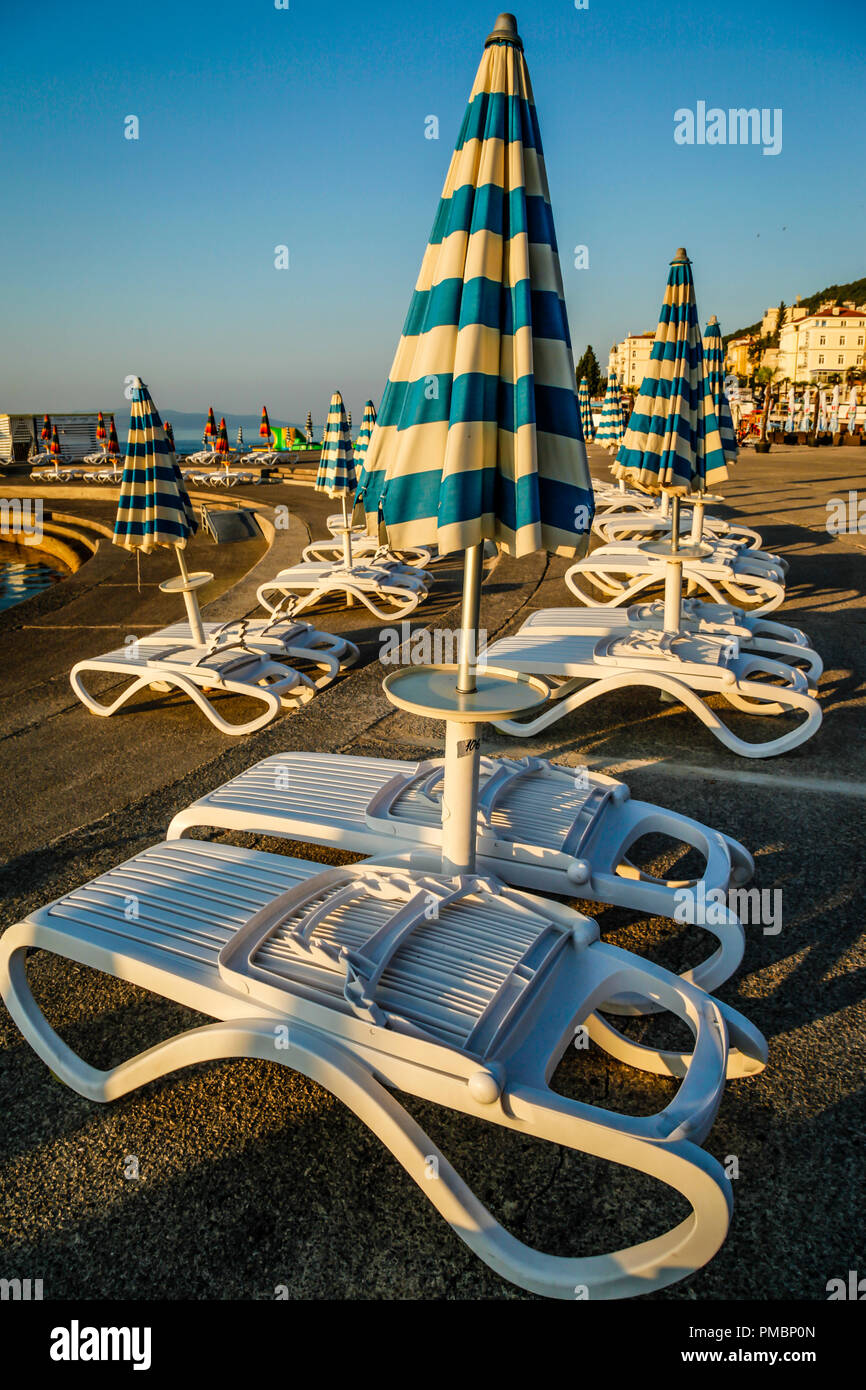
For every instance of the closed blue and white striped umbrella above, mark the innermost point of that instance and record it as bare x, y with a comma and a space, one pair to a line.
585, 405
610, 425
672, 441
153, 508
478, 435
336, 471
715, 374
362, 443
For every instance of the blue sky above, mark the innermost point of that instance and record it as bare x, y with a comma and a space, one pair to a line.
305, 127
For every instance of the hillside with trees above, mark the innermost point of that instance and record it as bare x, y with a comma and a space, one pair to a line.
855, 290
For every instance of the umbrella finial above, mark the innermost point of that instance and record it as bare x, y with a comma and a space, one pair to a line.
505, 31
679, 255
714, 319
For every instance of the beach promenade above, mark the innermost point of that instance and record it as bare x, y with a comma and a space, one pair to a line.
251, 1177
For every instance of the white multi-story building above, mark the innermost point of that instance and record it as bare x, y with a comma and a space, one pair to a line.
629, 359
827, 342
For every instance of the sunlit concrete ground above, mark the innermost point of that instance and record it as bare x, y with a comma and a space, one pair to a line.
252, 1177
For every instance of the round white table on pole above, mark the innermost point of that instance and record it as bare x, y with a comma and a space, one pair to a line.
698, 501
431, 692
673, 554
187, 584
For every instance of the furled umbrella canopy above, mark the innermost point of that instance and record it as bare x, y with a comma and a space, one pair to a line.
265, 426
169, 435
852, 409
210, 427
113, 443
714, 369
478, 435
46, 428
585, 405
834, 408
239, 442
672, 442
610, 425
336, 471
222, 439
54, 446
309, 427
153, 508
362, 443
101, 433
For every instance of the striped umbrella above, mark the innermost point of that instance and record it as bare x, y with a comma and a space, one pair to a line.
54, 446
852, 409
610, 425
113, 444
806, 417
46, 428
239, 442
153, 508
169, 435
715, 375
362, 443
672, 442
222, 439
336, 471
792, 403
478, 435
834, 408
585, 406
265, 426
823, 409
210, 427
309, 427
101, 433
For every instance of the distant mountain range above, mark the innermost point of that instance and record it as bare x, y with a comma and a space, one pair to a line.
855, 290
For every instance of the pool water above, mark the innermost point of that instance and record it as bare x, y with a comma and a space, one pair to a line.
20, 579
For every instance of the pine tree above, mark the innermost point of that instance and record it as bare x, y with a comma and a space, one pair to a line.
588, 367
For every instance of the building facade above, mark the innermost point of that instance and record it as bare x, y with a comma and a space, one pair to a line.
831, 341
630, 358
737, 355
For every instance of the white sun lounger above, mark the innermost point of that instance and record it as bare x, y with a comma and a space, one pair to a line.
387, 591
643, 524
278, 635
541, 827
582, 666
462, 992
752, 633
368, 549
227, 667
624, 571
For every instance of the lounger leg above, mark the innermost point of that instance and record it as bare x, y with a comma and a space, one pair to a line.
791, 700
186, 687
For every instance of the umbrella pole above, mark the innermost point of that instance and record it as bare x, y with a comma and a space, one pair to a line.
674, 573
347, 534
462, 741
698, 520
191, 602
